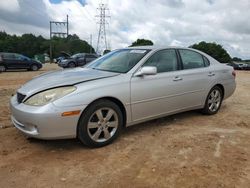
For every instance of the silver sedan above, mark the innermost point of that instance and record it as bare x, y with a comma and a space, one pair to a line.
122, 88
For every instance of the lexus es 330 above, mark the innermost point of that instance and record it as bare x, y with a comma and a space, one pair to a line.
122, 88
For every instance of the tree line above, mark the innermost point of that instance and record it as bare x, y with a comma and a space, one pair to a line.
30, 45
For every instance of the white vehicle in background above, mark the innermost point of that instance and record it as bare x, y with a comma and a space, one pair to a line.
242, 66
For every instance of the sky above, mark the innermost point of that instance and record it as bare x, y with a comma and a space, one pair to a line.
165, 22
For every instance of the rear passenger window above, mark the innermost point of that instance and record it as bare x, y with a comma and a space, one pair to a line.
191, 59
8, 56
164, 61
90, 56
206, 61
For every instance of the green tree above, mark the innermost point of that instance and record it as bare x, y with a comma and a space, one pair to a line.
236, 59
142, 42
30, 45
214, 50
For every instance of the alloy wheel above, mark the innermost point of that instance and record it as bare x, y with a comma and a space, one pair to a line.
34, 68
102, 124
214, 100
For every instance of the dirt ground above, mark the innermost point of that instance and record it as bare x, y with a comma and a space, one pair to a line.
184, 150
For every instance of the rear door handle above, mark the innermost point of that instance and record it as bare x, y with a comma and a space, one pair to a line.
177, 78
211, 74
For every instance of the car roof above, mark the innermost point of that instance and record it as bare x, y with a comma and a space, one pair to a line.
165, 47
156, 47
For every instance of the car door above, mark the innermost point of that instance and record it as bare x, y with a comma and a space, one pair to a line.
21, 61
197, 76
155, 95
89, 58
81, 60
9, 60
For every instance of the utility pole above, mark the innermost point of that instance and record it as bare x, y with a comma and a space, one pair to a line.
55, 32
90, 42
102, 39
67, 25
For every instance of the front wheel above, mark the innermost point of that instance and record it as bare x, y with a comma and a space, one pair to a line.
34, 67
100, 124
72, 65
2, 68
213, 101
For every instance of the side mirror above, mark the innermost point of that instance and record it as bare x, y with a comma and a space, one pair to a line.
147, 70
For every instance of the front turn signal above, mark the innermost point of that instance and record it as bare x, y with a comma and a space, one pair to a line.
71, 113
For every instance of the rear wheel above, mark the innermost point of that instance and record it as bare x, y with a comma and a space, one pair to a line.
213, 101
100, 124
34, 67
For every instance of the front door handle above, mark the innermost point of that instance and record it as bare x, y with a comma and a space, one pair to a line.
211, 74
177, 78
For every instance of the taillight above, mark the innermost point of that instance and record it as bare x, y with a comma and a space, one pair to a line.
234, 74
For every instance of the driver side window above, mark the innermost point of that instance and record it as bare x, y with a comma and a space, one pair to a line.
18, 57
164, 61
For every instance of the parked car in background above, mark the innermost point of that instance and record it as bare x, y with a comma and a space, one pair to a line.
63, 56
122, 88
247, 67
242, 65
239, 66
18, 61
77, 60
234, 65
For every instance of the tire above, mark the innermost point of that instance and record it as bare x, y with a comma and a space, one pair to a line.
2, 68
71, 65
34, 68
213, 101
94, 130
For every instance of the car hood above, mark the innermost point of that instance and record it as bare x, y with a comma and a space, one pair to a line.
67, 59
62, 78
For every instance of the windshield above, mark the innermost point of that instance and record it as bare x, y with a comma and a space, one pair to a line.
120, 61
76, 55
22, 57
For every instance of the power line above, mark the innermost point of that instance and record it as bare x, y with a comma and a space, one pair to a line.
102, 39
59, 33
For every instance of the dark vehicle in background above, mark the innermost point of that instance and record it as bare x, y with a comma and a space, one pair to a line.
17, 61
77, 60
239, 66
234, 65
63, 56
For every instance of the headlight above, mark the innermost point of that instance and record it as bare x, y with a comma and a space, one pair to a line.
48, 96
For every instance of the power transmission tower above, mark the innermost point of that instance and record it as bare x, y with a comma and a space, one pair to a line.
102, 38
55, 31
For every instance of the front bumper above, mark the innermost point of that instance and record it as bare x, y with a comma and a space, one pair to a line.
44, 122
63, 65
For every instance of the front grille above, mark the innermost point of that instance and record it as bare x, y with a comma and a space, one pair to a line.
20, 97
